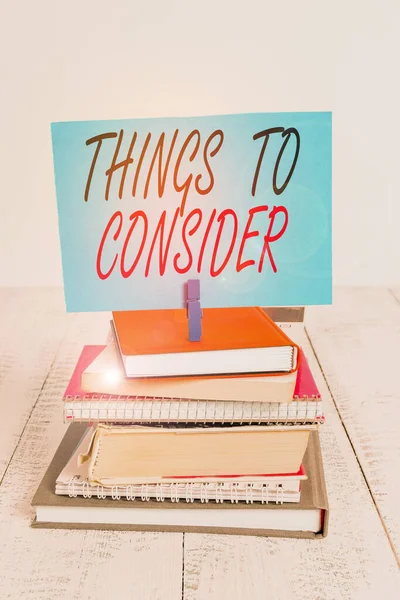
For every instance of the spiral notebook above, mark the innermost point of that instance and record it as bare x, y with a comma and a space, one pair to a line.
307, 518
80, 405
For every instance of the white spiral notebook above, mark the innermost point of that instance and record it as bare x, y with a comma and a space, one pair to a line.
80, 405
165, 410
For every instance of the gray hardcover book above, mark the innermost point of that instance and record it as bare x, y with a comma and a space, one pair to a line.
306, 519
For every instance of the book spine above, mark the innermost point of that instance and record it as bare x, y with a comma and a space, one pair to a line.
156, 410
320, 498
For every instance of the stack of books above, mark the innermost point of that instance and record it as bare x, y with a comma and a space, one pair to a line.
166, 434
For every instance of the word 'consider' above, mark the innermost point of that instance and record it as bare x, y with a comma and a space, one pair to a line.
117, 239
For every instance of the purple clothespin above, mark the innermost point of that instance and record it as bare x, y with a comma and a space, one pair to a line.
194, 313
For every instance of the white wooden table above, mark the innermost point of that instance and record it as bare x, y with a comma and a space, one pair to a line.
353, 348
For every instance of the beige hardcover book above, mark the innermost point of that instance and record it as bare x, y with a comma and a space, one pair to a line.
306, 519
73, 480
290, 319
106, 376
124, 454
285, 314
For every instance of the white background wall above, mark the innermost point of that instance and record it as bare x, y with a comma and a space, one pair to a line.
92, 59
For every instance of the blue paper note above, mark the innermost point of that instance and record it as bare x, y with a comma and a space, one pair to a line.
240, 202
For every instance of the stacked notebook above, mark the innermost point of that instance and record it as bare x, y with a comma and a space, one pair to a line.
219, 435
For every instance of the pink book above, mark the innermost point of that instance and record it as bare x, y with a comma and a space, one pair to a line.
74, 388
305, 388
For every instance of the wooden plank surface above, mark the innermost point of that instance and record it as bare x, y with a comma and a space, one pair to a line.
46, 564
355, 561
357, 341
32, 324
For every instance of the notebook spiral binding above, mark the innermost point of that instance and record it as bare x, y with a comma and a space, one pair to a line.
133, 409
189, 492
